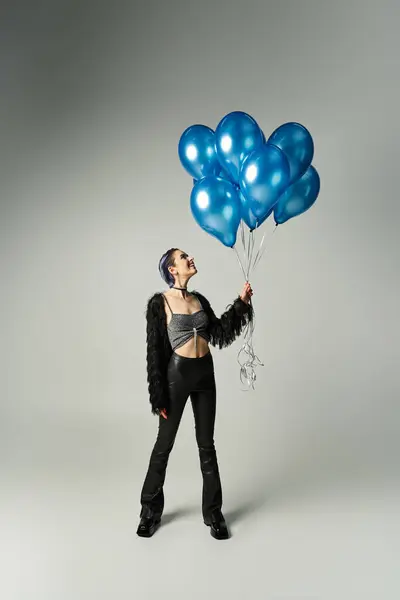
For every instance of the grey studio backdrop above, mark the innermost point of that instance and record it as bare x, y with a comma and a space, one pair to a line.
94, 98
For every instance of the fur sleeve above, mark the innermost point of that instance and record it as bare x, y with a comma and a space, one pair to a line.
224, 330
158, 354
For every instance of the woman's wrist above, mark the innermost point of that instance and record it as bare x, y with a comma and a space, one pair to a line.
241, 306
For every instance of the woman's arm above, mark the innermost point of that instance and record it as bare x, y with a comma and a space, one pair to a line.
224, 330
157, 354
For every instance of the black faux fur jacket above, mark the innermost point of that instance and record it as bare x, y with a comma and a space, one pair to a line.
222, 331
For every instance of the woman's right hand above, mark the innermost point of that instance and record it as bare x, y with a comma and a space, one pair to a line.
163, 413
246, 293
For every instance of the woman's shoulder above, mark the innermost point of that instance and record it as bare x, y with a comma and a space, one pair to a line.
201, 297
156, 296
155, 301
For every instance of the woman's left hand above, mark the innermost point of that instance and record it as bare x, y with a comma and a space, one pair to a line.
246, 293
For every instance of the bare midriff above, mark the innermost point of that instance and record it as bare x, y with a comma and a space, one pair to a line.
188, 350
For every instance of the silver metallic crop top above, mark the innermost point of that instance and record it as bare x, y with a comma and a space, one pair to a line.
182, 327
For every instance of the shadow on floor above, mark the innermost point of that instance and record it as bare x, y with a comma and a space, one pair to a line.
168, 517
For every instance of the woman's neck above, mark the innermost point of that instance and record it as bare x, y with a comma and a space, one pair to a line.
180, 289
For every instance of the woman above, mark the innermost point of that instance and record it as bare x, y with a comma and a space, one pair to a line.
180, 326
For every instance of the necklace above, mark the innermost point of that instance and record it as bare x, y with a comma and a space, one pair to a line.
180, 289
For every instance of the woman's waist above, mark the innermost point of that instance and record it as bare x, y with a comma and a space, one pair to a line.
189, 339
192, 349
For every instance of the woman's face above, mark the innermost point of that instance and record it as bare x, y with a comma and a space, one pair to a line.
184, 265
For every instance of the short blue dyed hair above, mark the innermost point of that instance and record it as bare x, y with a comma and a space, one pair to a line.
167, 260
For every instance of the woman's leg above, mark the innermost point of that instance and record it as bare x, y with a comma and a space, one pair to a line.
152, 495
204, 409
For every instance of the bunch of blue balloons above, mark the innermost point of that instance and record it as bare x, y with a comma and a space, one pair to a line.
238, 174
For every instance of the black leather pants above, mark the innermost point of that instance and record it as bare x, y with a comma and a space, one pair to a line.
192, 377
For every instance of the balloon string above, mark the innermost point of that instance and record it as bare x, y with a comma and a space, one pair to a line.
252, 240
246, 357
244, 249
258, 251
240, 262
248, 256
242, 235
261, 252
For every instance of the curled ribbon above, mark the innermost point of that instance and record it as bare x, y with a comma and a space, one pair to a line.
248, 359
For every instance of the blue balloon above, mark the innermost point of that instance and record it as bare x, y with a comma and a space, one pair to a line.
299, 197
196, 150
251, 221
245, 212
225, 175
237, 135
222, 174
215, 205
297, 144
263, 178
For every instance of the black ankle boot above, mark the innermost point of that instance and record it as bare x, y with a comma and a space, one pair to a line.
148, 523
217, 523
